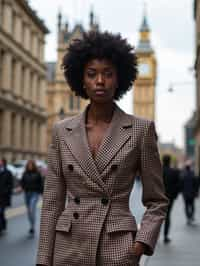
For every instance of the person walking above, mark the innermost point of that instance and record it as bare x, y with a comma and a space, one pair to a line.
172, 187
6, 186
92, 163
189, 188
32, 184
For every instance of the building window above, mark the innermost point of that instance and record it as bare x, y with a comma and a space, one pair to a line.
1, 67
22, 132
31, 135
13, 131
22, 82
71, 102
13, 30
22, 32
38, 142
30, 41
38, 92
1, 11
31, 86
13, 70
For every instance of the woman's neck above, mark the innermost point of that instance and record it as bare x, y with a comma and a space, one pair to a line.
100, 112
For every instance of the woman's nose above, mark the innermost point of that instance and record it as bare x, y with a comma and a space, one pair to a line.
100, 79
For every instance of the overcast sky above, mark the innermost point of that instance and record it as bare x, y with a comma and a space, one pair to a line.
172, 37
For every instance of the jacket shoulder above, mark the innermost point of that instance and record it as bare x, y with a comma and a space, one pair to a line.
141, 122
67, 122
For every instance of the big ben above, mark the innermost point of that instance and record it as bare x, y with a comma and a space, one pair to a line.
144, 87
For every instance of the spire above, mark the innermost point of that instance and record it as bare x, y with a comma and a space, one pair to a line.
59, 20
91, 18
94, 26
145, 26
144, 45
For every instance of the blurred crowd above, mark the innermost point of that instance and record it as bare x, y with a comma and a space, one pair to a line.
29, 179
180, 181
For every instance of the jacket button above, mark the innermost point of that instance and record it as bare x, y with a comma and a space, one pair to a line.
104, 201
77, 200
114, 167
76, 215
70, 167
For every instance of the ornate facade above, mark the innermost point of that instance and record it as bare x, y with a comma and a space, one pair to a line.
61, 101
144, 86
22, 82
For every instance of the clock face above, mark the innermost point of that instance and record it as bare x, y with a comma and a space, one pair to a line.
144, 69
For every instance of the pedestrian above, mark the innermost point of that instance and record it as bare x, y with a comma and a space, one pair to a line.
189, 188
172, 188
92, 163
6, 186
32, 184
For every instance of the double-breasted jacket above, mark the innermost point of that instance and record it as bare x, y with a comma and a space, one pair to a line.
85, 217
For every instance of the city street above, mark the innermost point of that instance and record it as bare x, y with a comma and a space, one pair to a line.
184, 247
17, 248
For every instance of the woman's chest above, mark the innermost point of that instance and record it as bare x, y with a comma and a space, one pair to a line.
95, 137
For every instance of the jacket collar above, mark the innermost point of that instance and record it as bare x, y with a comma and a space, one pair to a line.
115, 137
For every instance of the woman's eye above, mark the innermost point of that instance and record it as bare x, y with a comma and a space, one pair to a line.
91, 74
108, 74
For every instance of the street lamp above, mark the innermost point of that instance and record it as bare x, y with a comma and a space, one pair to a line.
184, 83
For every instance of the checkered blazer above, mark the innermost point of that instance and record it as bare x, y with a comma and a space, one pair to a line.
85, 217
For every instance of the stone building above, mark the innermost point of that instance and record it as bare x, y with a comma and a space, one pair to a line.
22, 82
189, 137
61, 101
197, 72
144, 86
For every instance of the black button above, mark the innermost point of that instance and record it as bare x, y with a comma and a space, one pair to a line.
70, 167
114, 167
104, 201
77, 200
76, 215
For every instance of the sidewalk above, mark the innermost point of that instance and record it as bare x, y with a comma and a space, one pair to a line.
184, 249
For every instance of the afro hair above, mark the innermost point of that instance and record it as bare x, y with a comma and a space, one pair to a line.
100, 45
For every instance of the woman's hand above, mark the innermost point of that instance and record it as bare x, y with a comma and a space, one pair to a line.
139, 249
18, 190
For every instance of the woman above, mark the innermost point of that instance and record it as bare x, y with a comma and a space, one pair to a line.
31, 183
92, 164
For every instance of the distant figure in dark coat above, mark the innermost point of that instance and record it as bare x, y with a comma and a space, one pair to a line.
6, 186
189, 188
172, 188
32, 184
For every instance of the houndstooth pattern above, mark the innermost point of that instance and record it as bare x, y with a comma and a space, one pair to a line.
85, 216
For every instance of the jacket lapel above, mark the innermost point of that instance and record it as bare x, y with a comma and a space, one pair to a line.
76, 140
116, 136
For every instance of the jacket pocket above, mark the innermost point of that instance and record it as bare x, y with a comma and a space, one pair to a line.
122, 224
63, 223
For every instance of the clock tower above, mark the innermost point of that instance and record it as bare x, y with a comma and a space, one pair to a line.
144, 86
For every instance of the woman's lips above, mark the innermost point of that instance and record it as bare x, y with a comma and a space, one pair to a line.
100, 92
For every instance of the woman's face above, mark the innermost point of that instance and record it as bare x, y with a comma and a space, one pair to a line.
100, 80
30, 166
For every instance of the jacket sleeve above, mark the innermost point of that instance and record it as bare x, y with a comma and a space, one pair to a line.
53, 203
153, 197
